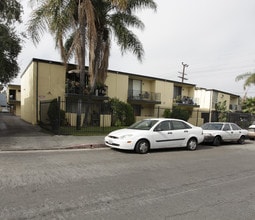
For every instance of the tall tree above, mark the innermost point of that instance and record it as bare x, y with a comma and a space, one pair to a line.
249, 79
115, 20
85, 24
88, 24
10, 42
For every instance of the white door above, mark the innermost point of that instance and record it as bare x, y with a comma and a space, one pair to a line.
170, 133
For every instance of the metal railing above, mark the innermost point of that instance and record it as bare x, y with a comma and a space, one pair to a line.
143, 95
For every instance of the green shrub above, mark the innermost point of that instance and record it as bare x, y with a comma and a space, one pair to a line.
167, 113
55, 114
123, 114
178, 113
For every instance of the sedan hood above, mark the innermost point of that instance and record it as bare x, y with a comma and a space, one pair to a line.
210, 131
125, 131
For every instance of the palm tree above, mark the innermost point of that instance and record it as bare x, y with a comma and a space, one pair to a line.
64, 18
248, 77
114, 20
94, 21
89, 23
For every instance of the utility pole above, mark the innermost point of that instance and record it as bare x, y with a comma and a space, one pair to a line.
183, 72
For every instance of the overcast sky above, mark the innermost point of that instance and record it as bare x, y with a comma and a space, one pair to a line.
216, 38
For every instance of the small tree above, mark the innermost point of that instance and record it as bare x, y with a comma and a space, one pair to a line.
221, 109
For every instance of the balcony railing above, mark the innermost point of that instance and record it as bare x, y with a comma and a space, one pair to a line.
74, 91
185, 101
136, 95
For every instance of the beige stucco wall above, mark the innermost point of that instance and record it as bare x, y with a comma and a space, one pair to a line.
28, 107
208, 98
43, 82
234, 100
51, 81
224, 97
166, 90
188, 91
117, 86
148, 86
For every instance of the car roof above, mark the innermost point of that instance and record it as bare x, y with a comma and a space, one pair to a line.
162, 119
219, 122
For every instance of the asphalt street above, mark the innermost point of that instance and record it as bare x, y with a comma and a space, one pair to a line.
209, 183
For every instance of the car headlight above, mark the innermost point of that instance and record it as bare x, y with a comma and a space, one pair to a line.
125, 136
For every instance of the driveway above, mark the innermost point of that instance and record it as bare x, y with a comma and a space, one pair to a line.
16, 134
13, 126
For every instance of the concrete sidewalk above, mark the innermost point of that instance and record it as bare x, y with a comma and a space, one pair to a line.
47, 142
16, 134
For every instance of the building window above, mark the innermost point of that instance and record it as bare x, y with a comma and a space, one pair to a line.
12, 94
177, 92
135, 88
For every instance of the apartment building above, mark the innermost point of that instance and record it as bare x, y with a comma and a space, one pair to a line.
45, 80
208, 98
14, 99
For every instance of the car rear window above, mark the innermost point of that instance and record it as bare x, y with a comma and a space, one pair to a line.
212, 126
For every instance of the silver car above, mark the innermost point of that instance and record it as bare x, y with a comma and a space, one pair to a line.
218, 132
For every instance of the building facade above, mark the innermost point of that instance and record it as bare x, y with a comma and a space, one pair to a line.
14, 99
45, 80
208, 98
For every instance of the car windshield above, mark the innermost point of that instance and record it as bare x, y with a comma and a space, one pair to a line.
212, 126
143, 125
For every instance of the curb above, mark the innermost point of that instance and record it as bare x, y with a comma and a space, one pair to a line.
82, 146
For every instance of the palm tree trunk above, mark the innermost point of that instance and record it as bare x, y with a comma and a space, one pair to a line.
82, 30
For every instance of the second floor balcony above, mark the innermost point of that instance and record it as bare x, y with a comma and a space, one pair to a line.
137, 96
73, 91
185, 101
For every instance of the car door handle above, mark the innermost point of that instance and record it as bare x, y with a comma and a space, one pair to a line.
170, 132
186, 131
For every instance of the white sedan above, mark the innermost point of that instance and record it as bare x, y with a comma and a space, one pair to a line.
156, 133
218, 132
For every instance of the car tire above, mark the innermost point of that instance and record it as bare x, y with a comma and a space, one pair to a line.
142, 147
241, 140
217, 141
192, 144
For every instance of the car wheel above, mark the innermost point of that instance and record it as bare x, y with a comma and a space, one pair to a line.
192, 144
142, 147
241, 140
217, 141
